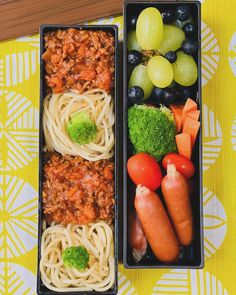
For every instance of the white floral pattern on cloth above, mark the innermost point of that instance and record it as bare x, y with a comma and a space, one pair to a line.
124, 286
18, 217
16, 280
19, 123
30, 40
212, 138
210, 53
233, 134
189, 282
15, 68
232, 54
215, 226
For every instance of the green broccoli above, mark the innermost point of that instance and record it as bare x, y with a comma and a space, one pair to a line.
77, 257
81, 128
152, 130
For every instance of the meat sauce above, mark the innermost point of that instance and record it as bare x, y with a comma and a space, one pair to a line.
78, 191
79, 59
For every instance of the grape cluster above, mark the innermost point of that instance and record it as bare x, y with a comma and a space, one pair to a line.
161, 57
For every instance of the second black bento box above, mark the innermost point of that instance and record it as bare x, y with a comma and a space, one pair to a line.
191, 256
112, 31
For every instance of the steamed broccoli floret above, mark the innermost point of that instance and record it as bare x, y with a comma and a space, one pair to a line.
81, 128
77, 257
152, 130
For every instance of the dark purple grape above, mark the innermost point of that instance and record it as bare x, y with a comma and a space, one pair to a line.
134, 57
183, 93
171, 56
183, 12
167, 16
156, 95
135, 94
189, 29
168, 96
190, 46
178, 93
186, 93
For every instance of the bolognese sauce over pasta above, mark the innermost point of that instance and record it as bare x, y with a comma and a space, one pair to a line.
78, 191
79, 59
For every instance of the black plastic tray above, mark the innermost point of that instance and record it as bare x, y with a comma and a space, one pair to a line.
192, 256
41, 289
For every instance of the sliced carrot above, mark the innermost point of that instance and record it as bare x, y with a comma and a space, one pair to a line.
184, 144
194, 115
177, 110
189, 106
191, 127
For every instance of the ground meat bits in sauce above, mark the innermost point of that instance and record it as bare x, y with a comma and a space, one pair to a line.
78, 191
79, 59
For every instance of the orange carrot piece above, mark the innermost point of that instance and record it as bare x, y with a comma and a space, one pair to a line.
194, 115
191, 127
189, 106
177, 110
184, 144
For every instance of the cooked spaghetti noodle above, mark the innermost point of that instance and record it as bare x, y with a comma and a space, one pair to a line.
59, 109
97, 239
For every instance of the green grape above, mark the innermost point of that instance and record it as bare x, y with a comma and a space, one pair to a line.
139, 77
185, 69
149, 29
173, 38
160, 71
132, 42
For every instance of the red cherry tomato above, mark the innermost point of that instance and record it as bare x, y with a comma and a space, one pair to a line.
183, 165
144, 169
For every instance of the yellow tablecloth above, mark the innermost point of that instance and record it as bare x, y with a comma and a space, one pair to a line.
19, 106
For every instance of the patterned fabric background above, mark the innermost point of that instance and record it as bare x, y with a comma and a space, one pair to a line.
19, 109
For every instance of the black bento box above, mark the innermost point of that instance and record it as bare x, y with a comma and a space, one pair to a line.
192, 256
41, 289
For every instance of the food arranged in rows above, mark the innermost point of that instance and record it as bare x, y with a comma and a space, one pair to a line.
78, 192
163, 125
162, 48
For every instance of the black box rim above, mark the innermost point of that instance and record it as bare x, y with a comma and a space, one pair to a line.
125, 134
113, 28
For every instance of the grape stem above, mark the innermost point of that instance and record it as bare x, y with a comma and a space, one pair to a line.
147, 54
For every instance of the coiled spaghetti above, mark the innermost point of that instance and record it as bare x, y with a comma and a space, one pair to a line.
97, 239
58, 110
